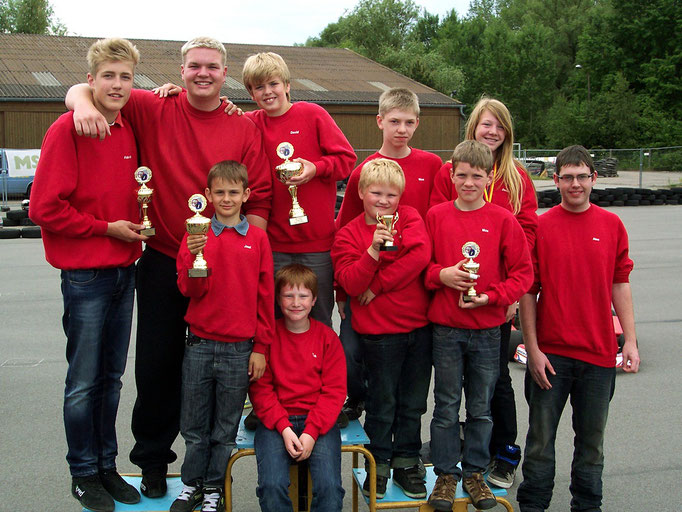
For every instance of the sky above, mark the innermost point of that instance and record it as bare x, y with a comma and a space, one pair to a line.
268, 22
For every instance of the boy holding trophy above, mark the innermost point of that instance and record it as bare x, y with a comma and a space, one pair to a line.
480, 265
231, 322
82, 197
389, 304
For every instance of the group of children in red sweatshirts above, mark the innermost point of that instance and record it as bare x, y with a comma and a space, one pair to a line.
418, 306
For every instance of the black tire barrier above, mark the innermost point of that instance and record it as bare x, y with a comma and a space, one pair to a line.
17, 214
619, 196
9, 233
30, 232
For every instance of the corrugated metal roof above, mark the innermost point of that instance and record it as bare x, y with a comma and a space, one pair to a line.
341, 76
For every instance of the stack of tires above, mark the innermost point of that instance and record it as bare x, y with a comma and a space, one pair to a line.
619, 196
16, 224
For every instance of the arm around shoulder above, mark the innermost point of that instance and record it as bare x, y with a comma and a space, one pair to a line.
88, 121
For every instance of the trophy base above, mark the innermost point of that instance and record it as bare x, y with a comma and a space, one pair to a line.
295, 221
388, 248
468, 298
148, 231
199, 272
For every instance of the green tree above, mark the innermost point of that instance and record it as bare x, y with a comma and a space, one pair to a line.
29, 17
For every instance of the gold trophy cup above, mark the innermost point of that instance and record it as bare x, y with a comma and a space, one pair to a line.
144, 197
389, 221
198, 225
470, 250
285, 172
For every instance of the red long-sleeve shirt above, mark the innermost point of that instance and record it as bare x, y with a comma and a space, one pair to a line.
577, 259
82, 184
306, 374
401, 299
444, 190
180, 144
315, 137
420, 168
235, 302
506, 272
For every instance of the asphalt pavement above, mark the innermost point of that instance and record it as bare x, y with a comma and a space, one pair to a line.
643, 442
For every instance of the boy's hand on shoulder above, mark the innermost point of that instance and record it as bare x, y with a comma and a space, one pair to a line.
89, 122
126, 231
195, 243
307, 444
167, 89
231, 108
476, 302
308, 173
292, 443
455, 277
366, 297
256, 366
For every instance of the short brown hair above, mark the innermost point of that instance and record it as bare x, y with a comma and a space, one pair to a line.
382, 171
228, 170
112, 49
295, 275
261, 67
400, 98
574, 156
204, 42
473, 153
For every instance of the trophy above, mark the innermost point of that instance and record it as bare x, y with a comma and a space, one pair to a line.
144, 197
389, 221
198, 225
470, 250
285, 172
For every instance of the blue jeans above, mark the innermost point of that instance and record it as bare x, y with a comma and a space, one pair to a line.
321, 264
399, 375
468, 357
273, 469
98, 309
356, 382
590, 388
214, 384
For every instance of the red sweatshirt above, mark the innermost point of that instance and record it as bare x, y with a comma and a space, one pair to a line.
444, 190
235, 302
506, 271
401, 300
82, 184
577, 259
306, 374
420, 168
315, 137
180, 144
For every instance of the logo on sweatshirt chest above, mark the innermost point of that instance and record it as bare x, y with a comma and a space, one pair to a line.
127, 157
294, 132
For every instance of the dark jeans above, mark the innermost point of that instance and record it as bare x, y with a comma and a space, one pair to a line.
214, 384
98, 311
160, 345
321, 264
355, 362
399, 375
590, 389
469, 357
273, 469
503, 405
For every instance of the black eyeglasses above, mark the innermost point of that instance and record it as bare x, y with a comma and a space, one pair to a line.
582, 178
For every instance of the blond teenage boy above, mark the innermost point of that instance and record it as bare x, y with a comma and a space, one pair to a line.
389, 303
466, 334
82, 197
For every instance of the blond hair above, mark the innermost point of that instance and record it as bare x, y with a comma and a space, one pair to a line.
382, 171
507, 171
400, 98
204, 42
263, 66
474, 153
112, 49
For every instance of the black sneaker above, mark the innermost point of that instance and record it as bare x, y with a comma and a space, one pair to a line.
381, 486
410, 482
503, 467
89, 491
214, 500
189, 498
251, 421
153, 483
352, 409
342, 420
118, 488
